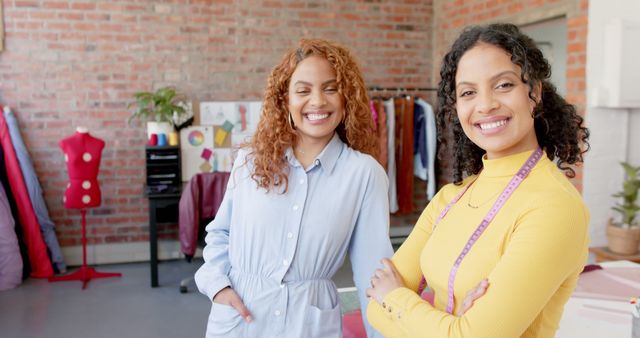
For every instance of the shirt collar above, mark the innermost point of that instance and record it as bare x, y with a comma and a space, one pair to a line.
327, 157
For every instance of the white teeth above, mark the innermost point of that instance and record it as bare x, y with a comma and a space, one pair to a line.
492, 125
315, 117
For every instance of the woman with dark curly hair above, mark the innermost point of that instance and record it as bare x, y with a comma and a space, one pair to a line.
302, 193
515, 227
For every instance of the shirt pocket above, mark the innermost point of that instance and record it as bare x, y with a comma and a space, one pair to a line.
323, 323
222, 319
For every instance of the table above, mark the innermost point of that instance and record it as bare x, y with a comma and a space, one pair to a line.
157, 200
596, 318
603, 254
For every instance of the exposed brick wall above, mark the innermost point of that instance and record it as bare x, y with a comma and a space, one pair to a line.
450, 17
70, 63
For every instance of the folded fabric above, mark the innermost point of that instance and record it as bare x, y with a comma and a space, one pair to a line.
614, 283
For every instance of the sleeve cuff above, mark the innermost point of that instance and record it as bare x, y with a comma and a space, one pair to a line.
398, 301
212, 288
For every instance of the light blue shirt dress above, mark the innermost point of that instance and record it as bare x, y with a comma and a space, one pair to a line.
280, 251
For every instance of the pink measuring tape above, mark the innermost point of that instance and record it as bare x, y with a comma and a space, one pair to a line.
502, 199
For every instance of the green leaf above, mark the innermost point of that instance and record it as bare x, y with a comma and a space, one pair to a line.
631, 172
158, 105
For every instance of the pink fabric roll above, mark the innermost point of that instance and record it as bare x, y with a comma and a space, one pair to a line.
10, 259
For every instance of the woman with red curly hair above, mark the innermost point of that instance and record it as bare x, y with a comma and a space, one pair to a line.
304, 192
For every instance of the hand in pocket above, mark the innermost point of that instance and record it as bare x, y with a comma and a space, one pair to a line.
228, 296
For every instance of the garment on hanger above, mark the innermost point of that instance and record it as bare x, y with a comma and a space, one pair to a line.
404, 152
37, 250
391, 158
419, 142
47, 227
427, 148
381, 130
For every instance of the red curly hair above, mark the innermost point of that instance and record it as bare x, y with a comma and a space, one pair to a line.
274, 134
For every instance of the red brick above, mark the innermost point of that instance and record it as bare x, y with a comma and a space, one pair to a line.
44, 16
86, 6
577, 47
514, 8
85, 26
580, 21
55, 4
71, 16
26, 3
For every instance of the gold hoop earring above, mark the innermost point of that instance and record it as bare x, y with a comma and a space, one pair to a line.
291, 124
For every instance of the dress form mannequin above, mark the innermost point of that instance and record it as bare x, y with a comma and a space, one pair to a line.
82, 154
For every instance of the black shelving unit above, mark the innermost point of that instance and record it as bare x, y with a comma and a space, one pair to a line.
163, 167
163, 187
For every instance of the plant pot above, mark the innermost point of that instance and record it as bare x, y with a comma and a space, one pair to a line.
159, 128
623, 241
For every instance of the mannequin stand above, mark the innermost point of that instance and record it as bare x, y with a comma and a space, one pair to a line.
85, 273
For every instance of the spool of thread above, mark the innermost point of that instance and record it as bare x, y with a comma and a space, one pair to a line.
153, 140
162, 140
173, 138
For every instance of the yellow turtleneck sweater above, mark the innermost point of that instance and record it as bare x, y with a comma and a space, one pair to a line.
532, 253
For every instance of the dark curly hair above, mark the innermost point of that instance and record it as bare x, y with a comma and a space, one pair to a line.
274, 134
559, 129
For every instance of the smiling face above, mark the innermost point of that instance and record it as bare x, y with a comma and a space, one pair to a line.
314, 102
493, 103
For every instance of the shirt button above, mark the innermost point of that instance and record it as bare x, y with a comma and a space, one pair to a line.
276, 312
295, 207
285, 262
282, 286
290, 235
302, 181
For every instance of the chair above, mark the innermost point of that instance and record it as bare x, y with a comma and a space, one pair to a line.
198, 205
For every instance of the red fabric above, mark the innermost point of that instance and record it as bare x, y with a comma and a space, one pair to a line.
404, 153
200, 200
352, 326
36, 248
381, 132
82, 153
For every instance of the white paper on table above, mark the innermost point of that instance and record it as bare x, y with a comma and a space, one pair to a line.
596, 317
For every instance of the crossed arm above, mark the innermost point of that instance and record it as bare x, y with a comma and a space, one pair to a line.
538, 267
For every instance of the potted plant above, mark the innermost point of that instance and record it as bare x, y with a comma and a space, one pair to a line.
624, 236
160, 109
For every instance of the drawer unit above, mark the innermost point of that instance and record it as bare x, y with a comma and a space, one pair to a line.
163, 166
